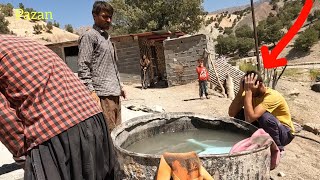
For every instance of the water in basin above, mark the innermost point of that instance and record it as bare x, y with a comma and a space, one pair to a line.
202, 141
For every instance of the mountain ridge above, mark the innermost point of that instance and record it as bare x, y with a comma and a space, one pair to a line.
238, 8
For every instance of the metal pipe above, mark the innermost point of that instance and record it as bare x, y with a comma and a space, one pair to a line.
255, 36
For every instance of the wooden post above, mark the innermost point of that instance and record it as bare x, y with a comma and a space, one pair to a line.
216, 73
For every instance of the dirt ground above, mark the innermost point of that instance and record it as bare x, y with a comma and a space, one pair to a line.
301, 160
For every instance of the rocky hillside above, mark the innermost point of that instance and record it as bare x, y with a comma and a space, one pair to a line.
235, 17
238, 8
25, 28
226, 21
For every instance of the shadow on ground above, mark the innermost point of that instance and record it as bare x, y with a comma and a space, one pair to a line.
6, 168
193, 99
295, 54
158, 85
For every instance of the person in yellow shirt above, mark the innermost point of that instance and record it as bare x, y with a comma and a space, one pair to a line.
263, 107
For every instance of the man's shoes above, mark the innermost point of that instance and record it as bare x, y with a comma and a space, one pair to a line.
207, 97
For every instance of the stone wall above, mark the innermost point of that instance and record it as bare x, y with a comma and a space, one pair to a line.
160, 58
127, 49
181, 55
58, 50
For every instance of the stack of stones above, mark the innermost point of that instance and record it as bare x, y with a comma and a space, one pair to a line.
316, 86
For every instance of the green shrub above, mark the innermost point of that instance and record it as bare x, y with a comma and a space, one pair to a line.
306, 40
314, 73
37, 29
4, 25
247, 67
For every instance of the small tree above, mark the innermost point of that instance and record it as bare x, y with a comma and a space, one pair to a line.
69, 28
275, 7
37, 29
244, 46
226, 45
234, 23
49, 27
261, 31
21, 6
306, 40
316, 14
228, 30
186, 16
316, 26
7, 9
310, 17
56, 24
273, 2
4, 25
220, 19
269, 31
209, 21
288, 25
244, 31
274, 33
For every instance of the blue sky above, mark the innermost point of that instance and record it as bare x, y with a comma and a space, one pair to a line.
78, 12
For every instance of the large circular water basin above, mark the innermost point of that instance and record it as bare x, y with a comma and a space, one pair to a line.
140, 142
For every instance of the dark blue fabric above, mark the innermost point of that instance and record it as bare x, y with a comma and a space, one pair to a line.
203, 88
280, 133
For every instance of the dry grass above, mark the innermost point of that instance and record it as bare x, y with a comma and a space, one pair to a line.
299, 74
293, 72
247, 67
314, 73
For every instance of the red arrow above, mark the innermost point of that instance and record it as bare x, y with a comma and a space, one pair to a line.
270, 60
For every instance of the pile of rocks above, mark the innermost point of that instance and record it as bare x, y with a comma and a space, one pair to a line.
316, 86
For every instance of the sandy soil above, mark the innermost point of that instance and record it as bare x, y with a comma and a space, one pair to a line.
301, 158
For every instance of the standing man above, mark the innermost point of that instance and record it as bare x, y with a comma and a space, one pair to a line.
97, 64
48, 116
264, 107
145, 68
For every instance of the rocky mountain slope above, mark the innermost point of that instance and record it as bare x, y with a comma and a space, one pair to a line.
24, 28
235, 17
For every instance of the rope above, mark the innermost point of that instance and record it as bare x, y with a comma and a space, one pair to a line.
305, 137
302, 136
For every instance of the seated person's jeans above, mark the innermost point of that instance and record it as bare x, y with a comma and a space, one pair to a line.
280, 133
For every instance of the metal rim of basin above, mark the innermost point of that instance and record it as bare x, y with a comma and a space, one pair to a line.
147, 118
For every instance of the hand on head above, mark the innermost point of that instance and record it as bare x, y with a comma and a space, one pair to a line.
250, 82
